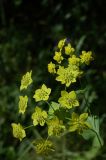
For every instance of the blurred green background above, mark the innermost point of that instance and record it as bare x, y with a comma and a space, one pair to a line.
29, 30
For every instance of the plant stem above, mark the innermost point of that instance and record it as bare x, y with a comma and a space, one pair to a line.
29, 126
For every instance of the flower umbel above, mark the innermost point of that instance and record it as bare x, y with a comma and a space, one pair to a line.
51, 67
43, 147
68, 100
26, 80
42, 94
18, 131
69, 49
58, 57
67, 75
79, 123
61, 43
55, 127
23, 100
86, 57
39, 116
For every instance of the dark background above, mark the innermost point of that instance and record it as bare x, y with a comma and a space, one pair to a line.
29, 30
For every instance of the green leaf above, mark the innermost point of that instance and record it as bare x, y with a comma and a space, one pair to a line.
94, 132
53, 107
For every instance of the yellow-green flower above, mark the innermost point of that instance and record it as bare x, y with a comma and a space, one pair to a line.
55, 127
74, 60
42, 94
51, 67
67, 75
23, 100
26, 80
18, 131
68, 100
69, 49
39, 116
43, 147
86, 57
58, 57
79, 123
61, 43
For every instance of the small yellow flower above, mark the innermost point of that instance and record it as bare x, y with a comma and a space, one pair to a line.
58, 57
23, 100
69, 49
79, 123
67, 75
86, 57
68, 100
43, 147
26, 80
74, 60
61, 43
55, 127
42, 94
18, 131
51, 67
39, 117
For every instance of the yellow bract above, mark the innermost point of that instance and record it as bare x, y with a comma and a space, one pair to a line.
26, 80
43, 147
51, 67
55, 127
42, 94
23, 100
68, 49
39, 117
58, 57
68, 100
18, 131
86, 57
79, 123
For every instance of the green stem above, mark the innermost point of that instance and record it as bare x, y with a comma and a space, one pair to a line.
49, 105
29, 126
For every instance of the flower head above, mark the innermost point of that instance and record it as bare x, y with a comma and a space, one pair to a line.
43, 147
42, 94
55, 127
26, 80
39, 117
86, 57
74, 60
79, 123
61, 43
68, 100
51, 68
58, 57
69, 49
67, 75
23, 100
18, 131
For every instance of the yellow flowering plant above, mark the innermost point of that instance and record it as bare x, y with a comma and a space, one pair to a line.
66, 68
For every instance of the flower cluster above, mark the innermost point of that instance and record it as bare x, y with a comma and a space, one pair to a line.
79, 123
55, 126
43, 147
42, 94
66, 68
68, 100
39, 117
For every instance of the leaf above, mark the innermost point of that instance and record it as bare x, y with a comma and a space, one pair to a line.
94, 132
53, 107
